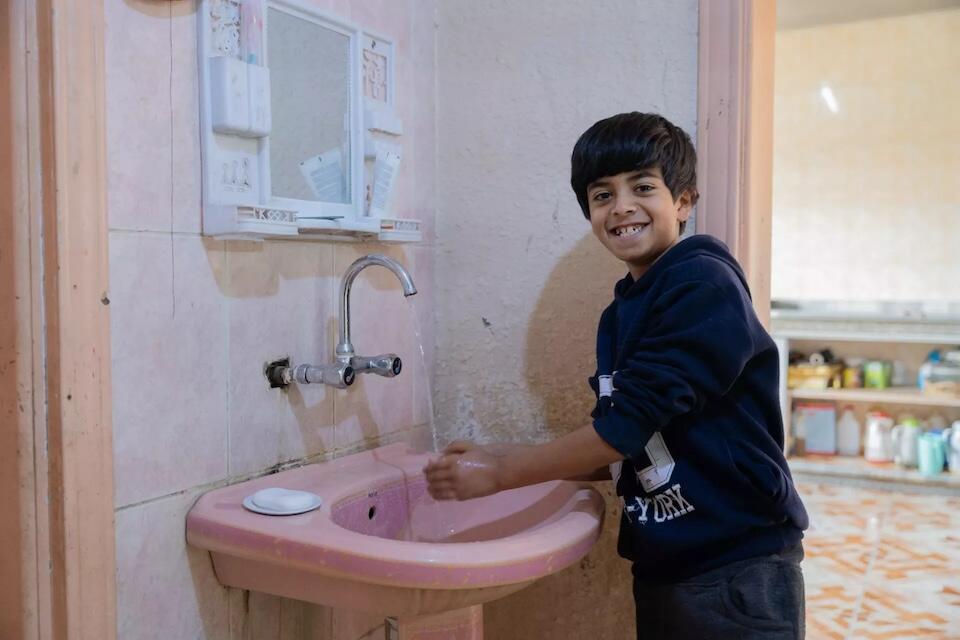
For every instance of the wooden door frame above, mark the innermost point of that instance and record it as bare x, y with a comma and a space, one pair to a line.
735, 133
58, 578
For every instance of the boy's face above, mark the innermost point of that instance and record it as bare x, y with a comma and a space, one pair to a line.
635, 216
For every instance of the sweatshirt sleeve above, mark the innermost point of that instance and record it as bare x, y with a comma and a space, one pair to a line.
696, 344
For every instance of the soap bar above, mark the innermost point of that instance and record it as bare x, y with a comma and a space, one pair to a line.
278, 499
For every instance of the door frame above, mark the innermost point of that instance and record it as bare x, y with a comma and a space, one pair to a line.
735, 134
59, 572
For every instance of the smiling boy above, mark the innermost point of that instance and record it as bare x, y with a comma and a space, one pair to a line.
687, 415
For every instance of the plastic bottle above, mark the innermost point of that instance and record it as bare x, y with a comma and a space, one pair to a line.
848, 433
932, 358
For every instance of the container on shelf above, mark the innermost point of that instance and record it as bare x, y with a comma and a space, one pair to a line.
853, 373
906, 438
951, 439
878, 439
924, 373
931, 454
877, 374
943, 379
814, 376
817, 421
848, 433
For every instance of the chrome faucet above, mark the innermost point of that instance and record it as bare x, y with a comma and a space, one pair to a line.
389, 364
342, 372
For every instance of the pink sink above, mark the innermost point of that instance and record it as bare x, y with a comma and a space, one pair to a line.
379, 543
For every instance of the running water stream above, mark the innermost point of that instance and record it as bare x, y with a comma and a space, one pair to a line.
426, 514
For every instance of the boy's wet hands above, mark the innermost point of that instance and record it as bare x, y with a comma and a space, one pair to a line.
464, 471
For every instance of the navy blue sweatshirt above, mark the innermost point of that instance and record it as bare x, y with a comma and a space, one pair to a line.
687, 392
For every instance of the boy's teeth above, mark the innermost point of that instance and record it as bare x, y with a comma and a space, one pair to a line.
627, 231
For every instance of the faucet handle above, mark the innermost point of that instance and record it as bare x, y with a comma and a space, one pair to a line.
387, 365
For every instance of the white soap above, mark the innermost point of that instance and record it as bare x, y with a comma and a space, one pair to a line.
278, 499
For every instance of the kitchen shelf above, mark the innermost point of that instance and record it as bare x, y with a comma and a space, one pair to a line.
895, 395
933, 338
859, 470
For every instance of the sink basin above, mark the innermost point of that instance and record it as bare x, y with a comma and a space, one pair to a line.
379, 543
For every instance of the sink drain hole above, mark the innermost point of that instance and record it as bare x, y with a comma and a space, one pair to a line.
372, 512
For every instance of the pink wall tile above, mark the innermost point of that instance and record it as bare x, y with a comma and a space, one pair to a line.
185, 118
165, 589
169, 353
280, 304
138, 104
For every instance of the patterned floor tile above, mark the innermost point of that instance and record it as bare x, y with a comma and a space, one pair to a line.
881, 565
925, 513
830, 610
899, 558
921, 610
843, 557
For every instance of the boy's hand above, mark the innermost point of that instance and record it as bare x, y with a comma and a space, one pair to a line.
464, 471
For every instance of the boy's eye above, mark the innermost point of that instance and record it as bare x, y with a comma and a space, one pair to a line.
644, 187
600, 196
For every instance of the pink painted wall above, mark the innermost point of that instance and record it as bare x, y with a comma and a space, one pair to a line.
194, 320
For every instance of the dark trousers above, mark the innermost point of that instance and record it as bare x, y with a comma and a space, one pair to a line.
758, 598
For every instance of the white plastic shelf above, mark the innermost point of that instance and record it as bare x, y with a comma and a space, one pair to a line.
894, 395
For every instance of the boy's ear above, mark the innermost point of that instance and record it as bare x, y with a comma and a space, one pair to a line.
684, 206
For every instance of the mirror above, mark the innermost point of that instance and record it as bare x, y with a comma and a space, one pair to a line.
310, 145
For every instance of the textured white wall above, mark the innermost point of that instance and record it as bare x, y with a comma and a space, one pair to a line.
520, 279
868, 194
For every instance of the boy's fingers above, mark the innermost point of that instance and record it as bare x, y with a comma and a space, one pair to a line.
438, 473
445, 461
445, 464
459, 446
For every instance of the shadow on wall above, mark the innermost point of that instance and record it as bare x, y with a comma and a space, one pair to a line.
561, 335
592, 598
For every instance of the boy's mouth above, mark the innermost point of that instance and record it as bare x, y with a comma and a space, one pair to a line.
628, 230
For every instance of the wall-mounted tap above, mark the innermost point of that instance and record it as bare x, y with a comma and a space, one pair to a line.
387, 365
342, 372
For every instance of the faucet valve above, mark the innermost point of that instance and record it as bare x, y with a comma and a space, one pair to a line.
387, 365
337, 375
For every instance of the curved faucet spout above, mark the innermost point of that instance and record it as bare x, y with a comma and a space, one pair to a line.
345, 349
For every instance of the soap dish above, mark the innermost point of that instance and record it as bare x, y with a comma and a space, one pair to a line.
277, 501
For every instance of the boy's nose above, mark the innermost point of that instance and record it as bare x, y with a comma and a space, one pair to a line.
624, 206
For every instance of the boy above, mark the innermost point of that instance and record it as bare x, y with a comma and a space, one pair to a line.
687, 413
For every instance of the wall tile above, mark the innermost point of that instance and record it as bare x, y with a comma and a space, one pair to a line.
138, 105
165, 589
185, 118
169, 352
280, 304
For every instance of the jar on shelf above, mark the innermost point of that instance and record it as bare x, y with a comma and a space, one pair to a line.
877, 374
853, 373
